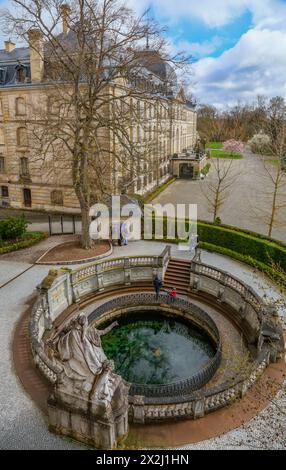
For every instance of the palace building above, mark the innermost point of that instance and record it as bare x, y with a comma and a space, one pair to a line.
26, 182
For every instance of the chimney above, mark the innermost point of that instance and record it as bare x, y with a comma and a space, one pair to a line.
65, 14
36, 54
9, 46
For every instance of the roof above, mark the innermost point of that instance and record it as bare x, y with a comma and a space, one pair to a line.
19, 53
11, 62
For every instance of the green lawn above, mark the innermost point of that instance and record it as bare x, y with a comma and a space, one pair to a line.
214, 145
224, 154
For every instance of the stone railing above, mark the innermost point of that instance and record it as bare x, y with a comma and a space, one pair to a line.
197, 404
247, 308
120, 271
61, 288
180, 307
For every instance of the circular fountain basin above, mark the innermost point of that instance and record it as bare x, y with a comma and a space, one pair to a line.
151, 348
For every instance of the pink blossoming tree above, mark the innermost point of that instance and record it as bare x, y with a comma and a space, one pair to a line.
233, 146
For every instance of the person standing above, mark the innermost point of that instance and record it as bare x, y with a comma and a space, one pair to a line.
173, 294
157, 286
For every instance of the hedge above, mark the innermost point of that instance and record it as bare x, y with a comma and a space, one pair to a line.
254, 249
274, 274
262, 250
27, 240
153, 194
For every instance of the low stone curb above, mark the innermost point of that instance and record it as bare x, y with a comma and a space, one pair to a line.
82, 261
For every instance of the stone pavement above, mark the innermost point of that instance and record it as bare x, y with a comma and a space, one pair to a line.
248, 203
22, 425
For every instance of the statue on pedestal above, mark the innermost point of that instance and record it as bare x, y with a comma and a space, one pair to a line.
89, 401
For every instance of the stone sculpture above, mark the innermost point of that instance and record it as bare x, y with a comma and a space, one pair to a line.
89, 401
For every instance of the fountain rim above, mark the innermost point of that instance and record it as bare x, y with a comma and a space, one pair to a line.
191, 313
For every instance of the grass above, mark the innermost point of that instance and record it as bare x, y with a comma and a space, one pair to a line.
214, 145
274, 162
225, 154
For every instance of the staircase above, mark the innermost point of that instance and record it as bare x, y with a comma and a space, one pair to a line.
178, 275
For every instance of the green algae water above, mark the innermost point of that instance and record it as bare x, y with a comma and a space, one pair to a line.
154, 349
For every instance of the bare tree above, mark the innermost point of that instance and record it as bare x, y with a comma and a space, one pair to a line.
100, 93
219, 183
274, 166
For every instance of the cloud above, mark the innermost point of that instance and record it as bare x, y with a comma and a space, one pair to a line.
215, 13
255, 65
199, 49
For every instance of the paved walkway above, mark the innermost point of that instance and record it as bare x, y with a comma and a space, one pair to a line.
22, 426
248, 203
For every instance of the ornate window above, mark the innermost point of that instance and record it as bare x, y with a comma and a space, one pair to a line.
57, 198
21, 73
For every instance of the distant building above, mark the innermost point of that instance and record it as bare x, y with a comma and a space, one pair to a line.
26, 182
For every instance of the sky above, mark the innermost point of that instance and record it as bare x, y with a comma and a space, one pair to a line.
238, 47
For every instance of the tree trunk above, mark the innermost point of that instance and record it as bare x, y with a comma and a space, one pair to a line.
86, 241
216, 204
273, 210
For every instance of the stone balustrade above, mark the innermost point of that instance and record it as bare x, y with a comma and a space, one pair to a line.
62, 288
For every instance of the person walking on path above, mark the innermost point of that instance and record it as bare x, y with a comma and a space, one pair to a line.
157, 286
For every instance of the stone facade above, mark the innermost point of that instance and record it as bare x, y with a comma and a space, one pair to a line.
27, 181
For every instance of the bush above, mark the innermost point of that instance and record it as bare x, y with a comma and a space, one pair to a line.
255, 249
206, 169
260, 143
25, 241
263, 250
13, 227
217, 221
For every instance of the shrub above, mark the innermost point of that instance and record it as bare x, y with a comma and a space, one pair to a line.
206, 169
217, 221
24, 242
255, 249
13, 227
260, 143
262, 250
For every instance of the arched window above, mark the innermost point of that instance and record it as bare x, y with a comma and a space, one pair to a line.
20, 106
21, 73
22, 137
57, 198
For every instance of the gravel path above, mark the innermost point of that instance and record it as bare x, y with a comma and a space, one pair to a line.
22, 426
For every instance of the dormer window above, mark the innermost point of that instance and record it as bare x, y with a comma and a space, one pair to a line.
21, 73
2, 76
